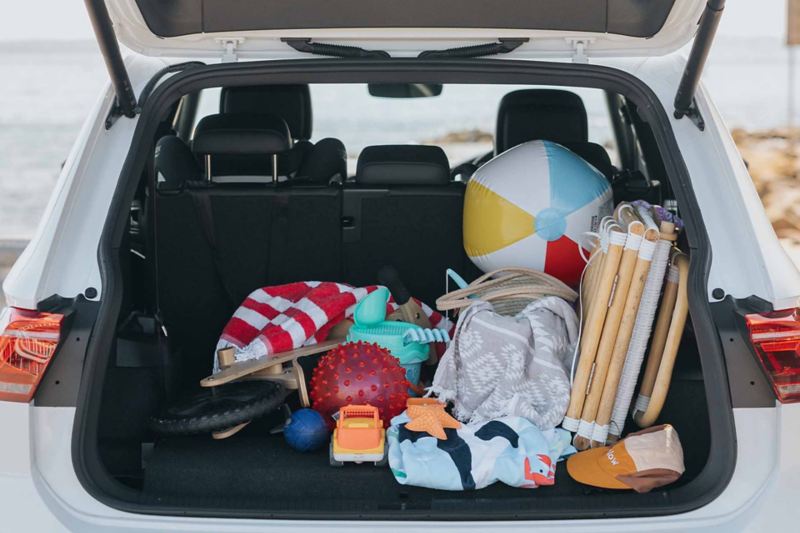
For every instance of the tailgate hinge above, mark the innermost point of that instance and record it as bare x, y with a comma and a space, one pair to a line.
579, 49
229, 46
693, 112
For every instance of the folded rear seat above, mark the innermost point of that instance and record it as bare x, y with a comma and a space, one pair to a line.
404, 211
222, 237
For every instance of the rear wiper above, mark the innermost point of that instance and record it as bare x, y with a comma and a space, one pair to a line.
334, 50
502, 46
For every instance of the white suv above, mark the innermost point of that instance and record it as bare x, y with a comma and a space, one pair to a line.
118, 300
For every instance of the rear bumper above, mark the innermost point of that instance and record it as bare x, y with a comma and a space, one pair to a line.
40, 492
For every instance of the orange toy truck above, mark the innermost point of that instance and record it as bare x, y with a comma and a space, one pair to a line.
359, 436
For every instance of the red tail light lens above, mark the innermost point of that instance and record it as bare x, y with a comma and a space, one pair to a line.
776, 339
28, 340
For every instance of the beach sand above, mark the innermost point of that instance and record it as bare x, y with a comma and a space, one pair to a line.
774, 167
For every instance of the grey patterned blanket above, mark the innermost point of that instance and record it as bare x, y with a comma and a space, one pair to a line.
500, 366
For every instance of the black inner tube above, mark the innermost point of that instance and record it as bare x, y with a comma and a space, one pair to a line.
219, 408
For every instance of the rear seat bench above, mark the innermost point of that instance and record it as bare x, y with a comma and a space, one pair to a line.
224, 227
218, 240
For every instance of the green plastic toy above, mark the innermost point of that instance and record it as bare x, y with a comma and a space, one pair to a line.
406, 341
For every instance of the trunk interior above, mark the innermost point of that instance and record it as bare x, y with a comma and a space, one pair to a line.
257, 473
189, 271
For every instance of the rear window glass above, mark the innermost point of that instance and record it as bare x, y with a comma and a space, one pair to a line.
461, 120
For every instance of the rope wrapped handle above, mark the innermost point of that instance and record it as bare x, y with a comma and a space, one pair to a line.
505, 284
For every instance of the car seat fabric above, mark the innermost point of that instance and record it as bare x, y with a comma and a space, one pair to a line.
403, 211
316, 163
240, 143
175, 163
550, 114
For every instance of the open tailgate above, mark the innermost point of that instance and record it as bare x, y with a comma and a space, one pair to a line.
205, 28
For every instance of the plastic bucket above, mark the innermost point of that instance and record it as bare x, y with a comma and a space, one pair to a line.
412, 373
389, 335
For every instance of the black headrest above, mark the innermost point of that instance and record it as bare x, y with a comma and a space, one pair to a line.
290, 102
241, 134
547, 114
402, 165
324, 161
175, 163
595, 155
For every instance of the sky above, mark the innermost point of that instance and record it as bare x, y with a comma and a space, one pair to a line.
66, 19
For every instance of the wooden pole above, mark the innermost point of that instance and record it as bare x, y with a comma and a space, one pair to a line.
794, 129
609, 333
642, 330
590, 339
620, 351
672, 342
792, 42
591, 276
659, 337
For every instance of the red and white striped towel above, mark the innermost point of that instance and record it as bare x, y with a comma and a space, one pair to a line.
275, 319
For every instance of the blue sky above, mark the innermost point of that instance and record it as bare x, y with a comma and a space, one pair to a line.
66, 19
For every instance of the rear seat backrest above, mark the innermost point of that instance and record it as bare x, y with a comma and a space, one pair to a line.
404, 211
219, 240
266, 235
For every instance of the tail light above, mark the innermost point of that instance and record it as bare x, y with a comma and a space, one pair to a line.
776, 339
28, 340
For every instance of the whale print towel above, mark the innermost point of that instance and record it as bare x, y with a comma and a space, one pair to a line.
510, 450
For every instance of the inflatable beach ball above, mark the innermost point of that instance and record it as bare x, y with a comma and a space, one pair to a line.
531, 207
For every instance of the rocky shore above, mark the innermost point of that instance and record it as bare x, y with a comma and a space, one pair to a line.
775, 168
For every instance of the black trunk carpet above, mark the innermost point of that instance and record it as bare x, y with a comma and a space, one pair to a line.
255, 471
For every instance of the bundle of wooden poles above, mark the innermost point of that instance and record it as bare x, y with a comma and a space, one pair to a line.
620, 294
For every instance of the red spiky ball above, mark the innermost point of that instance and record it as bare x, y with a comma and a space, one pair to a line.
359, 373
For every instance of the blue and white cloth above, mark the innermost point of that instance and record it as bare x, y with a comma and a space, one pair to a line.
509, 449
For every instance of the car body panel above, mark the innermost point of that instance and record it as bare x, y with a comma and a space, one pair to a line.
757, 497
38, 484
61, 258
729, 203
133, 31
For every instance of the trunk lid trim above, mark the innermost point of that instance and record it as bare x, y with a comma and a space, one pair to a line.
191, 28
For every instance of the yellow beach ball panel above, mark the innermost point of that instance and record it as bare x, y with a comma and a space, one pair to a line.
500, 223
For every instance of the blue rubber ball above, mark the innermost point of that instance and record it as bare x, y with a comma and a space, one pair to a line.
306, 431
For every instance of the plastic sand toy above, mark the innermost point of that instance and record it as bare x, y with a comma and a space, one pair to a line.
359, 437
406, 341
